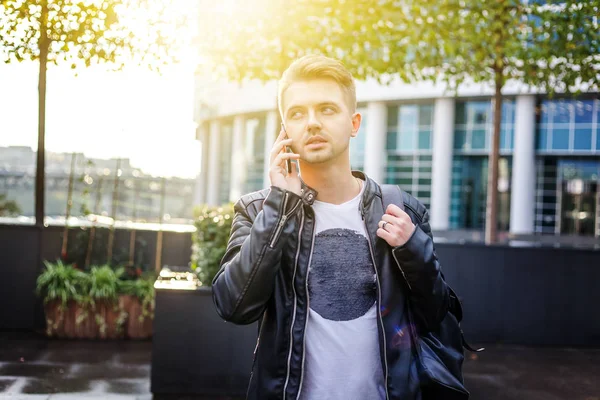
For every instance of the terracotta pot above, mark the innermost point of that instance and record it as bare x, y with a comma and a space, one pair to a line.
55, 318
110, 313
69, 320
137, 329
87, 327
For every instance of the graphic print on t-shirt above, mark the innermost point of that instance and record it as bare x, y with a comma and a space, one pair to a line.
341, 282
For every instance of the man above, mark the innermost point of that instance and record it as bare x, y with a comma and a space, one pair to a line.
321, 264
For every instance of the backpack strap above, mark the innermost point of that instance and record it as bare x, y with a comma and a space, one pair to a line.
393, 194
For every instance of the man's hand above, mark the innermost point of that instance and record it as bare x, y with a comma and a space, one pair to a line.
395, 226
277, 170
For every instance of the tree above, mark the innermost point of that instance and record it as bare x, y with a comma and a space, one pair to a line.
258, 39
8, 207
552, 46
83, 33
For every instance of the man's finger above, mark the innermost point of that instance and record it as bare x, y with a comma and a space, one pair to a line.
385, 235
395, 210
279, 148
285, 156
282, 134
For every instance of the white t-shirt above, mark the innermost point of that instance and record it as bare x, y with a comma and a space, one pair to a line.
342, 346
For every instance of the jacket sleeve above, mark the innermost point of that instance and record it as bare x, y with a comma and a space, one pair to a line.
252, 259
428, 292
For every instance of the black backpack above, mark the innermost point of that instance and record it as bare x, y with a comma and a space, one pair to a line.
439, 354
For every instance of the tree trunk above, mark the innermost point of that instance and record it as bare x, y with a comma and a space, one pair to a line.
159, 234
132, 232
491, 226
65, 239
115, 199
44, 45
90, 246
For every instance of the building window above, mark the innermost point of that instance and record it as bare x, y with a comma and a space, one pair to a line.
469, 192
474, 126
569, 126
472, 138
409, 149
546, 195
357, 144
568, 195
225, 161
255, 153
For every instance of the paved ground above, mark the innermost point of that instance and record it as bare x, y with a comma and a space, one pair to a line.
33, 368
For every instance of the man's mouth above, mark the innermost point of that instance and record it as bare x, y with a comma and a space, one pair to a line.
315, 140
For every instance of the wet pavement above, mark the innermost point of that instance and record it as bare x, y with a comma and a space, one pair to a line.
32, 368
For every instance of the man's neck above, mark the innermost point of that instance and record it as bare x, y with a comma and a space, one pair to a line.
335, 184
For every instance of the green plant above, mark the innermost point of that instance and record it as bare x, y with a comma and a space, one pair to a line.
213, 225
105, 283
143, 289
61, 282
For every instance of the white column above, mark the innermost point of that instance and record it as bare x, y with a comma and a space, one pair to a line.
202, 178
522, 201
270, 136
212, 191
375, 140
238, 159
441, 169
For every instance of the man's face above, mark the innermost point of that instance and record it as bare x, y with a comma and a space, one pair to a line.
318, 120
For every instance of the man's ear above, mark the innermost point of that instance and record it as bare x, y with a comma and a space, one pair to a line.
356, 120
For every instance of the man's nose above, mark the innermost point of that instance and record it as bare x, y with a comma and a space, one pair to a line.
313, 121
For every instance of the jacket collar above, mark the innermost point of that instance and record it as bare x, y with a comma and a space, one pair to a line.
371, 191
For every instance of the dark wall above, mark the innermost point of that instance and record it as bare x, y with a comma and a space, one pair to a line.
194, 351
514, 295
542, 296
20, 265
176, 249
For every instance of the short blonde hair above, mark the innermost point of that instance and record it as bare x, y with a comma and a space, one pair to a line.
312, 67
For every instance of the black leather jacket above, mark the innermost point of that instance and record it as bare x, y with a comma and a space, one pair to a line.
263, 276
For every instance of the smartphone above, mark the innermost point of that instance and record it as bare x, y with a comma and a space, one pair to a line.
288, 163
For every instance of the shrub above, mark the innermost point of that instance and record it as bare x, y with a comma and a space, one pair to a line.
143, 289
62, 282
213, 226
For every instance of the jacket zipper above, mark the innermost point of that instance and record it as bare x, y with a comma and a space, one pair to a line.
282, 221
254, 357
362, 214
294, 313
312, 245
401, 270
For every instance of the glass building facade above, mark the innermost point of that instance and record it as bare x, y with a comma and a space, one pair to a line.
409, 149
473, 131
255, 153
225, 160
562, 161
568, 167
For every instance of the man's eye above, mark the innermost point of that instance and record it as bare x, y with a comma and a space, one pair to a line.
296, 114
328, 110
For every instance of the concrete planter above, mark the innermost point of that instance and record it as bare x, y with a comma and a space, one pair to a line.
194, 352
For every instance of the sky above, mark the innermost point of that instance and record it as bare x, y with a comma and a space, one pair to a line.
135, 113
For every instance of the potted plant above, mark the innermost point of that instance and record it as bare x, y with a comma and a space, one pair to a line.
137, 298
104, 283
62, 287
